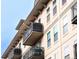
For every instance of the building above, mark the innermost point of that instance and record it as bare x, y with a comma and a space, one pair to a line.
49, 32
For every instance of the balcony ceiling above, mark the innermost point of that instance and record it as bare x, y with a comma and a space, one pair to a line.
33, 38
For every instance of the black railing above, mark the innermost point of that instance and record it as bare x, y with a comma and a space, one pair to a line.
74, 20
17, 53
34, 52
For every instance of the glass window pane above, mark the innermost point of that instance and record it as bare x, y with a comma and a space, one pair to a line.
65, 28
63, 2
48, 9
19, 45
54, 10
56, 36
48, 45
48, 17
48, 39
75, 10
55, 29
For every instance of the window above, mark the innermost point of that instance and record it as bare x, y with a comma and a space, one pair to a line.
48, 39
19, 45
54, 2
48, 17
48, 9
65, 27
54, 10
56, 36
39, 20
67, 56
66, 52
63, 2
55, 33
48, 14
74, 10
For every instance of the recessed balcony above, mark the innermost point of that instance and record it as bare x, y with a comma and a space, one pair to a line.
74, 20
33, 34
34, 53
16, 53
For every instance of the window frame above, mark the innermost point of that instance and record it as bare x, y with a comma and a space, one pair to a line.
48, 39
54, 10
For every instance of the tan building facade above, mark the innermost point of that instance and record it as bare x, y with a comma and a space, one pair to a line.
49, 32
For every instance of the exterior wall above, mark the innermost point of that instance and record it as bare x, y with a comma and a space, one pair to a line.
23, 48
64, 40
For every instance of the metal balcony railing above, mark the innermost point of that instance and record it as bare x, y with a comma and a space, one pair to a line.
34, 53
17, 53
33, 33
74, 20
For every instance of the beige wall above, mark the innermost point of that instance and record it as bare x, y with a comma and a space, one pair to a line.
64, 40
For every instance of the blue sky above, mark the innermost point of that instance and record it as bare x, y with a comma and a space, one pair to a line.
11, 13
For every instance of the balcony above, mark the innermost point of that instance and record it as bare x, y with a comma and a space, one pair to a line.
16, 53
33, 34
74, 20
34, 53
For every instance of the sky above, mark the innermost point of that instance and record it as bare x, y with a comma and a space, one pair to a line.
12, 11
